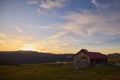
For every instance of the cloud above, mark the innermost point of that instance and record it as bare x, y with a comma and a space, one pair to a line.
1, 45
88, 24
32, 2
59, 34
64, 46
2, 36
47, 6
44, 12
14, 41
106, 6
50, 4
18, 29
44, 27
61, 39
54, 39
8, 40
79, 23
99, 5
94, 2
92, 28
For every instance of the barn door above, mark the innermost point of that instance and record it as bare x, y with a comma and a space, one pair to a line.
84, 62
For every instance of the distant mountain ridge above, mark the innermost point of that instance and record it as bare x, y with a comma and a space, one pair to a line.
30, 57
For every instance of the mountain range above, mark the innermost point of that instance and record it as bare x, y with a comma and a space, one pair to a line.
30, 57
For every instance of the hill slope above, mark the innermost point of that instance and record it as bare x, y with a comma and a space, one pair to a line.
29, 57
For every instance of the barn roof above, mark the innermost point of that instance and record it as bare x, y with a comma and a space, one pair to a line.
92, 55
95, 55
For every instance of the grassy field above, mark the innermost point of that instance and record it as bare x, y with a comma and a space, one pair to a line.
114, 59
52, 72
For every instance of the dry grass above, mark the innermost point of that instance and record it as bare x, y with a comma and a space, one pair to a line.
114, 59
52, 72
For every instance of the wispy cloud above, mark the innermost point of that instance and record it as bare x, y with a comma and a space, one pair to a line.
32, 2
57, 35
61, 39
44, 27
87, 23
47, 6
89, 27
14, 42
104, 6
44, 12
94, 2
50, 4
80, 23
2, 36
18, 29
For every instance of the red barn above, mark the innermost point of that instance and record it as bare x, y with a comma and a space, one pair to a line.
84, 58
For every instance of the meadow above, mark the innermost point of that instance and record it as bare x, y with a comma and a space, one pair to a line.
114, 60
61, 72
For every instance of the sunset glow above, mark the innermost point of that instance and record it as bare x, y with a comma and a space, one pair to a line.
60, 26
27, 48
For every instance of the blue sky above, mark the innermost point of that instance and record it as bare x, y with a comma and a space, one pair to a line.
60, 26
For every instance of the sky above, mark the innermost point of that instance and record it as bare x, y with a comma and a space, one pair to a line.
60, 26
